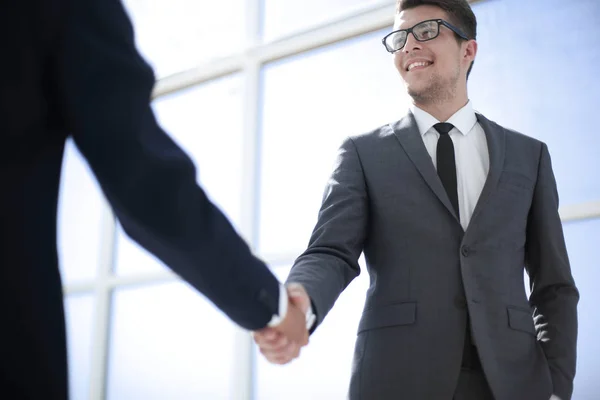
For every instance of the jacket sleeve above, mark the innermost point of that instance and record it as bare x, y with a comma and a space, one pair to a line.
330, 262
149, 181
554, 295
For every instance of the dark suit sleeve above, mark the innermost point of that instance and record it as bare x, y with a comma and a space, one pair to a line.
553, 292
330, 262
147, 178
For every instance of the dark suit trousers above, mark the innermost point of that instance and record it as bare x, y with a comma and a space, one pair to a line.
472, 385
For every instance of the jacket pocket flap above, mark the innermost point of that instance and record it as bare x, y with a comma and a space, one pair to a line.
386, 316
521, 320
517, 179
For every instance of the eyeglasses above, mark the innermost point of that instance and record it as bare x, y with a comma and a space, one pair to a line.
423, 31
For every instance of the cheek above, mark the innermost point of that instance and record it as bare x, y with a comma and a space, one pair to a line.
398, 62
448, 64
442, 66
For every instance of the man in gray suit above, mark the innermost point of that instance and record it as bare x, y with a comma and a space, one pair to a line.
449, 208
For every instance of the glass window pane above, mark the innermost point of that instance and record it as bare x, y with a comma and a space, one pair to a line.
79, 218
284, 17
582, 243
168, 342
131, 258
206, 121
79, 313
544, 85
323, 369
176, 35
311, 103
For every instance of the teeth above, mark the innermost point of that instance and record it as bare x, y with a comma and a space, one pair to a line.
418, 64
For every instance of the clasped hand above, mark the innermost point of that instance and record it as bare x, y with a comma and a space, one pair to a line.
282, 344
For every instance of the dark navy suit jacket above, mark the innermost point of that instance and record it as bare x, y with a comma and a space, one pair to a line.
70, 67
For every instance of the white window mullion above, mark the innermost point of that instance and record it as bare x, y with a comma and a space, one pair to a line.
103, 293
243, 376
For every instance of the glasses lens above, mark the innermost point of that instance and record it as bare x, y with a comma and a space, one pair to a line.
426, 30
396, 41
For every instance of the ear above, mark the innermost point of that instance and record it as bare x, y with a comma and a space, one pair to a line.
470, 51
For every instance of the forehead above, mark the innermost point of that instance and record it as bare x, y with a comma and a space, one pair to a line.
413, 16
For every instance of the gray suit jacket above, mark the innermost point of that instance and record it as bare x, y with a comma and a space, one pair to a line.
385, 198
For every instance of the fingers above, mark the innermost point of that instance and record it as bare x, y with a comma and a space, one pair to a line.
282, 355
270, 339
276, 347
282, 344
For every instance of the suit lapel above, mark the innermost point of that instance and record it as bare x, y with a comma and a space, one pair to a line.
496, 144
408, 135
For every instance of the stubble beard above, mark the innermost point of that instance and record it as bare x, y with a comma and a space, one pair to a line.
437, 91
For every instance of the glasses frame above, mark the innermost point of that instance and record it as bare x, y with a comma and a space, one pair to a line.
408, 31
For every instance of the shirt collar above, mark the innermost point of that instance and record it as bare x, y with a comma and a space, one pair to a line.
464, 119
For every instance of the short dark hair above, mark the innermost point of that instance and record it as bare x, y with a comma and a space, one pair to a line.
459, 12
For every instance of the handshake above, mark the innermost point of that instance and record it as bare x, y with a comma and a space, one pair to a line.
282, 343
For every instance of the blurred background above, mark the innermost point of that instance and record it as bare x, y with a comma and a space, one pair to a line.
261, 93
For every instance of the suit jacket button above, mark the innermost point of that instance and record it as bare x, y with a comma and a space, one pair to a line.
465, 251
460, 302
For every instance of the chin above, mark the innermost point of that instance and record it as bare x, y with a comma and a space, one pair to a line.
418, 83
421, 94
417, 90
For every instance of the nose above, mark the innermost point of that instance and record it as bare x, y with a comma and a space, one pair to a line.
411, 44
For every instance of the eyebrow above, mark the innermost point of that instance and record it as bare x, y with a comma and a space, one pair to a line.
396, 27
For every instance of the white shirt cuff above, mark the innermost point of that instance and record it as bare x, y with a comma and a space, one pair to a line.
310, 318
283, 305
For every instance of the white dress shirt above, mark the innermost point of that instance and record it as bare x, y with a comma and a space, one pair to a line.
470, 153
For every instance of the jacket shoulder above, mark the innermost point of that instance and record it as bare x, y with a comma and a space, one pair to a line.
376, 135
513, 136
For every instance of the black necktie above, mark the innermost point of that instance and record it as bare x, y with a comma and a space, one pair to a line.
446, 165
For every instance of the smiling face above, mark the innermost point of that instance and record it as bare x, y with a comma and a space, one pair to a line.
435, 70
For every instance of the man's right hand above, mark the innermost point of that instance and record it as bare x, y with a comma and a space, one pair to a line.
281, 344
